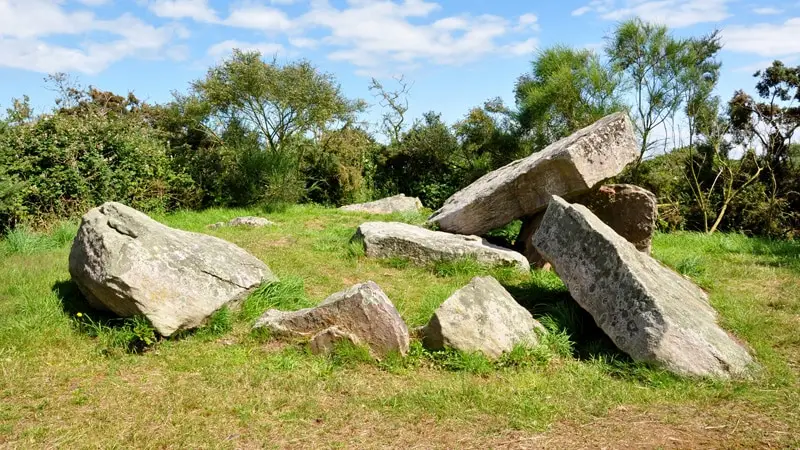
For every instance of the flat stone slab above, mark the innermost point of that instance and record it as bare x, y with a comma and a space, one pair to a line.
362, 314
246, 221
127, 263
481, 317
388, 205
568, 167
423, 246
650, 312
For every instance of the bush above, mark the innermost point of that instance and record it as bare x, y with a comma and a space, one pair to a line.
73, 162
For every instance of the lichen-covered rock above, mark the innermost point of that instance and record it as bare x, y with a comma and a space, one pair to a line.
569, 167
629, 210
125, 262
650, 312
362, 314
422, 246
388, 205
246, 221
481, 317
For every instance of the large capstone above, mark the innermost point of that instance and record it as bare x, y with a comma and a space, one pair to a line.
650, 312
629, 210
422, 246
127, 263
481, 317
395, 204
569, 167
362, 315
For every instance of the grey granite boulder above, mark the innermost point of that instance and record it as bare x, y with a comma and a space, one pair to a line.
362, 314
246, 221
629, 210
569, 167
481, 317
422, 246
125, 262
650, 312
388, 205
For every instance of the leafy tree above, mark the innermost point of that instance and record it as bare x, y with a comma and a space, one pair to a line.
774, 120
277, 101
567, 89
660, 70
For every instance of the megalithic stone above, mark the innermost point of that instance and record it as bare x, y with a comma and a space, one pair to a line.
568, 167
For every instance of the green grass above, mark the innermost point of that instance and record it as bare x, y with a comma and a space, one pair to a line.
92, 380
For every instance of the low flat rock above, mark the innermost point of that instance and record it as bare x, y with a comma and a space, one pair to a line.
569, 167
481, 317
629, 210
362, 314
127, 263
422, 246
388, 205
650, 312
246, 221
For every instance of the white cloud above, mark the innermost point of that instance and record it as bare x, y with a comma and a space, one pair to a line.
95, 2
764, 39
767, 11
25, 26
226, 47
259, 18
198, 10
373, 33
673, 13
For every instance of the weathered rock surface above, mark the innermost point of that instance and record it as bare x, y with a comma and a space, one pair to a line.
362, 314
422, 246
629, 210
650, 312
481, 317
125, 262
388, 205
247, 221
568, 167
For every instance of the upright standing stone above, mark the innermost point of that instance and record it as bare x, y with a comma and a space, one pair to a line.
568, 167
126, 262
650, 312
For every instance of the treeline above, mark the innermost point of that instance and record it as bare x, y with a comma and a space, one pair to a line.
256, 132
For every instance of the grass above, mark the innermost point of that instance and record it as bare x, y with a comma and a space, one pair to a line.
91, 380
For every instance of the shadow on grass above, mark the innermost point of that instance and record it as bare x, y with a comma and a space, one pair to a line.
546, 297
114, 334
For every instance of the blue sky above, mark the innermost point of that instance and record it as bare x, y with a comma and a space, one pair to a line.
457, 53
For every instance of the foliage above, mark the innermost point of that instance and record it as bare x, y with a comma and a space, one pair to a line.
421, 164
566, 90
660, 69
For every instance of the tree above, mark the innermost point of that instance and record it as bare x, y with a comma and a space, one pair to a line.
277, 101
660, 70
395, 104
772, 121
567, 89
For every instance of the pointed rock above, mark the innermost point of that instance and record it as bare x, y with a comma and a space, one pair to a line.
481, 317
650, 312
362, 314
